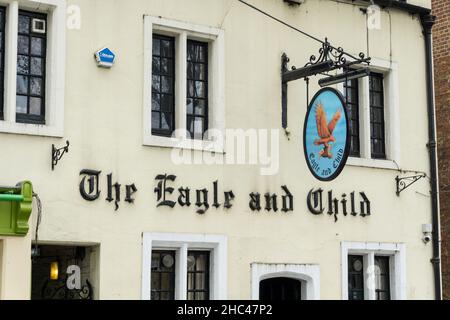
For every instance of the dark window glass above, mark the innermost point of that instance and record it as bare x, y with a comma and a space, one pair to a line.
377, 135
163, 85
352, 100
163, 275
382, 281
355, 278
198, 275
31, 56
280, 289
2, 58
197, 88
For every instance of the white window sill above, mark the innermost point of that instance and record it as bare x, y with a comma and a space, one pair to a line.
31, 129
185, 144
372, 163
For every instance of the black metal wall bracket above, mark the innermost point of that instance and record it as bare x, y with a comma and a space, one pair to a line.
57, 154
404, 183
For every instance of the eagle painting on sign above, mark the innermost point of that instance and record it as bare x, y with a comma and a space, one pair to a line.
326, 135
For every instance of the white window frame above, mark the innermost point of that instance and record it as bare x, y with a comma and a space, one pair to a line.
397, 267
308, 274
391, 117
55, 67
182, 31
181, 243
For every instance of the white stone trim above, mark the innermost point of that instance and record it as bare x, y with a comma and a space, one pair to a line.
55, 68
181, 243
397, 264
216, 82
308, 274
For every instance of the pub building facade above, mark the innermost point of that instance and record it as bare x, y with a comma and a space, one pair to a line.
119, 182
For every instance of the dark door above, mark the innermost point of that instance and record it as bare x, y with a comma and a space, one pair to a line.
280, 289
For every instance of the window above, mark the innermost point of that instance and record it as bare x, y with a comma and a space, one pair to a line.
179, 112
351, 91
373, 271
163, 275
382, 289
198, 275
31, 51
280, 289
373, 106
184, 267
377, 141
197, 88
355, 278
2, 58
32, 67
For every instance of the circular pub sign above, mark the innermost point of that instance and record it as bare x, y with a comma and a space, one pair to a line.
326, 134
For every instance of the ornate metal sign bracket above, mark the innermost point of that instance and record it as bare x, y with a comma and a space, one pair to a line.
329, 59
57, 154
404, 183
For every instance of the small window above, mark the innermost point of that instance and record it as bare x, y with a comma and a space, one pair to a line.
382, 278
377, 134
351, 91
31, 56
280, 289
163, 275
198, 275
2, 58
355, 278
163, 85
197, 88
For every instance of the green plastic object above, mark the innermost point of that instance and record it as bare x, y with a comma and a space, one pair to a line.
15, 209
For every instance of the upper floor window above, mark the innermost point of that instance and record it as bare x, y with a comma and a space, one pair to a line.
186, 83
377, 126
352, 100
32, 67
31, 52
163, 85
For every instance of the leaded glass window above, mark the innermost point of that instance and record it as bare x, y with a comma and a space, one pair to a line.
377, 134
198, 275
382, 278
163, 275
355, 277
31, 56
197, 88
352, 101
163, 85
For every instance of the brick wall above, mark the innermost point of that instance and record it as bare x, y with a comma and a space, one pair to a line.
441, 38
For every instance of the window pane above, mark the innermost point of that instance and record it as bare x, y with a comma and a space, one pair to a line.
351, 94
382, 281
24, 24
166, 48
21, 103
36, 86
163, 275
156, 46
156, 102
156, 83
166, 84
23, 63
22, 84
377, 116
35, 106
37, 46
355, 278
36, 66
23, 46
198, 275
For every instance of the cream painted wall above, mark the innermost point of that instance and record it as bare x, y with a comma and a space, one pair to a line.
103, 110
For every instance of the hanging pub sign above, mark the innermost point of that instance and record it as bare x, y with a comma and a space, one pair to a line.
326, 135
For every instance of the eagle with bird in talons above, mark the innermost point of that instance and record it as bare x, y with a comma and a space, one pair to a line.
325, 130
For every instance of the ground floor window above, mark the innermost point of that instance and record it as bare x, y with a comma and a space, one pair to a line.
184, 267
62, 272
373, 271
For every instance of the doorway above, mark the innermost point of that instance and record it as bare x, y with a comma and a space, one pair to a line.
280, 289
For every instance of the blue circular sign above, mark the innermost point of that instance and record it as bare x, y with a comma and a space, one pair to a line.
326, 134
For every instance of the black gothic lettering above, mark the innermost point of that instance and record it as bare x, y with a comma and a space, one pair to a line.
287, 199
184, 198
202, 202
344, 204
333, 205
216, 204
116, 187
161, 190
229, 196
271, 202
130, 190
314, 202
255, 201
365, 204
93, 192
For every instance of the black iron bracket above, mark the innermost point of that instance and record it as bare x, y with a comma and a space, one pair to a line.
329, 59
57, 154
404, 183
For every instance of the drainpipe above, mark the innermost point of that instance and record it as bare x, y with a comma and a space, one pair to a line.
428, 21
